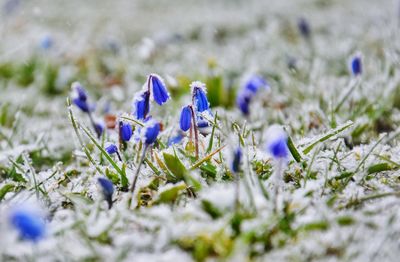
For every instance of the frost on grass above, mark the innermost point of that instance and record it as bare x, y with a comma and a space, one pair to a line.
337, 198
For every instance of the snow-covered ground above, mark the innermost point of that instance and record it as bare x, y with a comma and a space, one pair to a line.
338, 200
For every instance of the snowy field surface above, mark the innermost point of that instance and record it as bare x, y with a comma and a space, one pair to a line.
207, 130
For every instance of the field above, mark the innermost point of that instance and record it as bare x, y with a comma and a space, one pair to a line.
207, 130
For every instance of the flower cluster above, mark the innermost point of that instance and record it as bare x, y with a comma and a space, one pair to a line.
191, 117
155, 88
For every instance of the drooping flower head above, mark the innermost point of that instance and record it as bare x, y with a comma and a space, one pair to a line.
125, 131
99, 128
111, 149
185, 120
79, 97
248, 91
159, 90
237, 158
243, 100
141, 105
304, 27
277, 142
29, 222
176, 139
203, 123
200, 100
107, 188
255, 83
356, 65
150, 131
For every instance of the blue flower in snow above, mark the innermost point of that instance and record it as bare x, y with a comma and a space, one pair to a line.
199, 96
277, 142
141, 105
356, 65
185, 121
79, 97
150, 132
29, 223
107, 188
111, 149
158, 88
176, 139
255, 83
125, 131
237, 158
304, 27
243, 101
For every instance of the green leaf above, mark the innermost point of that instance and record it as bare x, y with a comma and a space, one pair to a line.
379, 168
293, 150
171, 194
326, 136
344, 175
6, 189
175, 165
121, 172
345, 220
211, 209
318, 225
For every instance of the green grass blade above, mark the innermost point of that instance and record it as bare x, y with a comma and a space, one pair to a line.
327, 135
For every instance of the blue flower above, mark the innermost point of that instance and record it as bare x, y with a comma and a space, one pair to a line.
107, 188
237, 158
255, 83
125, 131
46, 42
111, 149
243, 102
304, 27
141, 105
79, 90
186, 118
99, 128
150, 132
199, 96
356, 65
158, 88
29, 223
176, 139
79, 97
82, 105
277, 142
